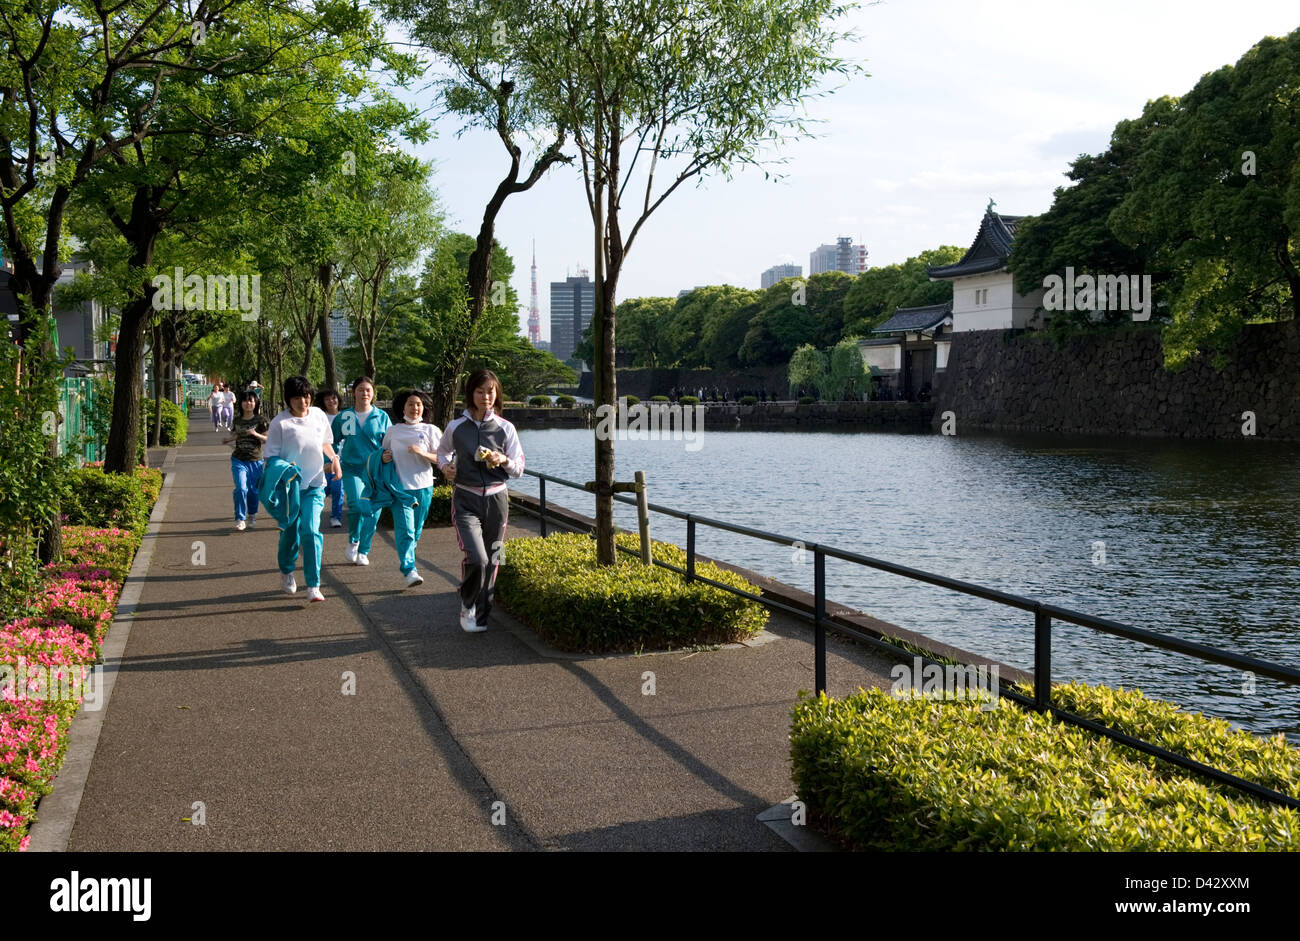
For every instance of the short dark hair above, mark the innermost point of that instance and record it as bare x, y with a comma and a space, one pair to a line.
248, 395
323, 394
295, 386
360, 379
481, 377
399, 403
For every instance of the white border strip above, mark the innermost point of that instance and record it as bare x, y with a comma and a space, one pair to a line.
57, 811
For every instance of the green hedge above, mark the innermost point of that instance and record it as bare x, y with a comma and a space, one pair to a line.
93, 498
749, 400
175, 426
555, 587
660, 398
632, 400
383, 393
565, 401
806, 400
439, 506
539, 401
689, 400
887, 773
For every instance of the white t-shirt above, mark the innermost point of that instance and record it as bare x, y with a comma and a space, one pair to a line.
301, 441
413, 471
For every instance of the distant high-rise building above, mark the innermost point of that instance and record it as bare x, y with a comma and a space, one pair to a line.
842, 256
573, 303
778, 273
340, 330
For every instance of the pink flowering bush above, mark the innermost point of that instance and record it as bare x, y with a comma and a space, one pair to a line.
84, 606
45, 641
33, 740
109, 548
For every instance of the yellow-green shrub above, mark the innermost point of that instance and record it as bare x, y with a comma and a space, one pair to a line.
912, 774
555, 587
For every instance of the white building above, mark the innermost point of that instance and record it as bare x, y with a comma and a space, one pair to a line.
983, 290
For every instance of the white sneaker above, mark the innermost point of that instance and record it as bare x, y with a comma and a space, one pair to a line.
413, 578
362, 559
336, 524
352, 552
252, 522
469, 622
240, 525
313, 594
289, 584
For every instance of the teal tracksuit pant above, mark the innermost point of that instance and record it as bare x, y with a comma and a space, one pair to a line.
305, 535
361, 525
408, 523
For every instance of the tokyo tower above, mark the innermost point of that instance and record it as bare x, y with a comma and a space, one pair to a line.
534, 318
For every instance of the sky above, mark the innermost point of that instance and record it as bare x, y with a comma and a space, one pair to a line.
965, 100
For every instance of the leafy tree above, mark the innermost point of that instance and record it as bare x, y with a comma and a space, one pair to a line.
795, 312
644, 321
1077, 232
690, 88
704, 329
876, 294
401, 220
1215, 199
490, 85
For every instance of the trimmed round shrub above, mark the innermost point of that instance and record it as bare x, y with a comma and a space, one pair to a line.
540, 401
660, 398
555, 587
806, 400
749, 400
632, 400
689, 400
565, 401
383, 393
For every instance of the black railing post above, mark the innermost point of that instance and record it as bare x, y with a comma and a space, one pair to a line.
819, 617
541, 482
1042, 659
690, 548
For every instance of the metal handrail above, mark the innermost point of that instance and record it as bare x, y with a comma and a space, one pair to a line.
1043, 613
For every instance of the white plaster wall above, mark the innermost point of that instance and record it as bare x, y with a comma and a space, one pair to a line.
882, 357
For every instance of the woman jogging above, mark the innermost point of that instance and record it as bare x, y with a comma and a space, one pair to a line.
300, 437
480, 450
329, 403
246, 460
361, 430
217, 405
411, 447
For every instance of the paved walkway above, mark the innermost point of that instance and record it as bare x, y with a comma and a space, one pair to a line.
231, 694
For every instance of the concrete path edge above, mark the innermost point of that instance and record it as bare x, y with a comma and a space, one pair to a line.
57, 811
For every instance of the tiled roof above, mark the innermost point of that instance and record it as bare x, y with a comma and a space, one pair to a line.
988, 252
915, 318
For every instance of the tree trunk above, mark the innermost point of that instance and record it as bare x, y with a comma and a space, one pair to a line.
128, 388
324, 279
155, 433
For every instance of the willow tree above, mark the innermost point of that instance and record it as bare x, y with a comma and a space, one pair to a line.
658, 93
486, 83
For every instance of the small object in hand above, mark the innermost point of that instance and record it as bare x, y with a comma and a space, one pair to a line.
482, 454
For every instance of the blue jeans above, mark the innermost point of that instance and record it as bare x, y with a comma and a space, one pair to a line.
248, 476
305, 535
334, 490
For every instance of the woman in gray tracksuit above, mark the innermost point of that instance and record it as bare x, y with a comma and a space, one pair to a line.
479, 452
